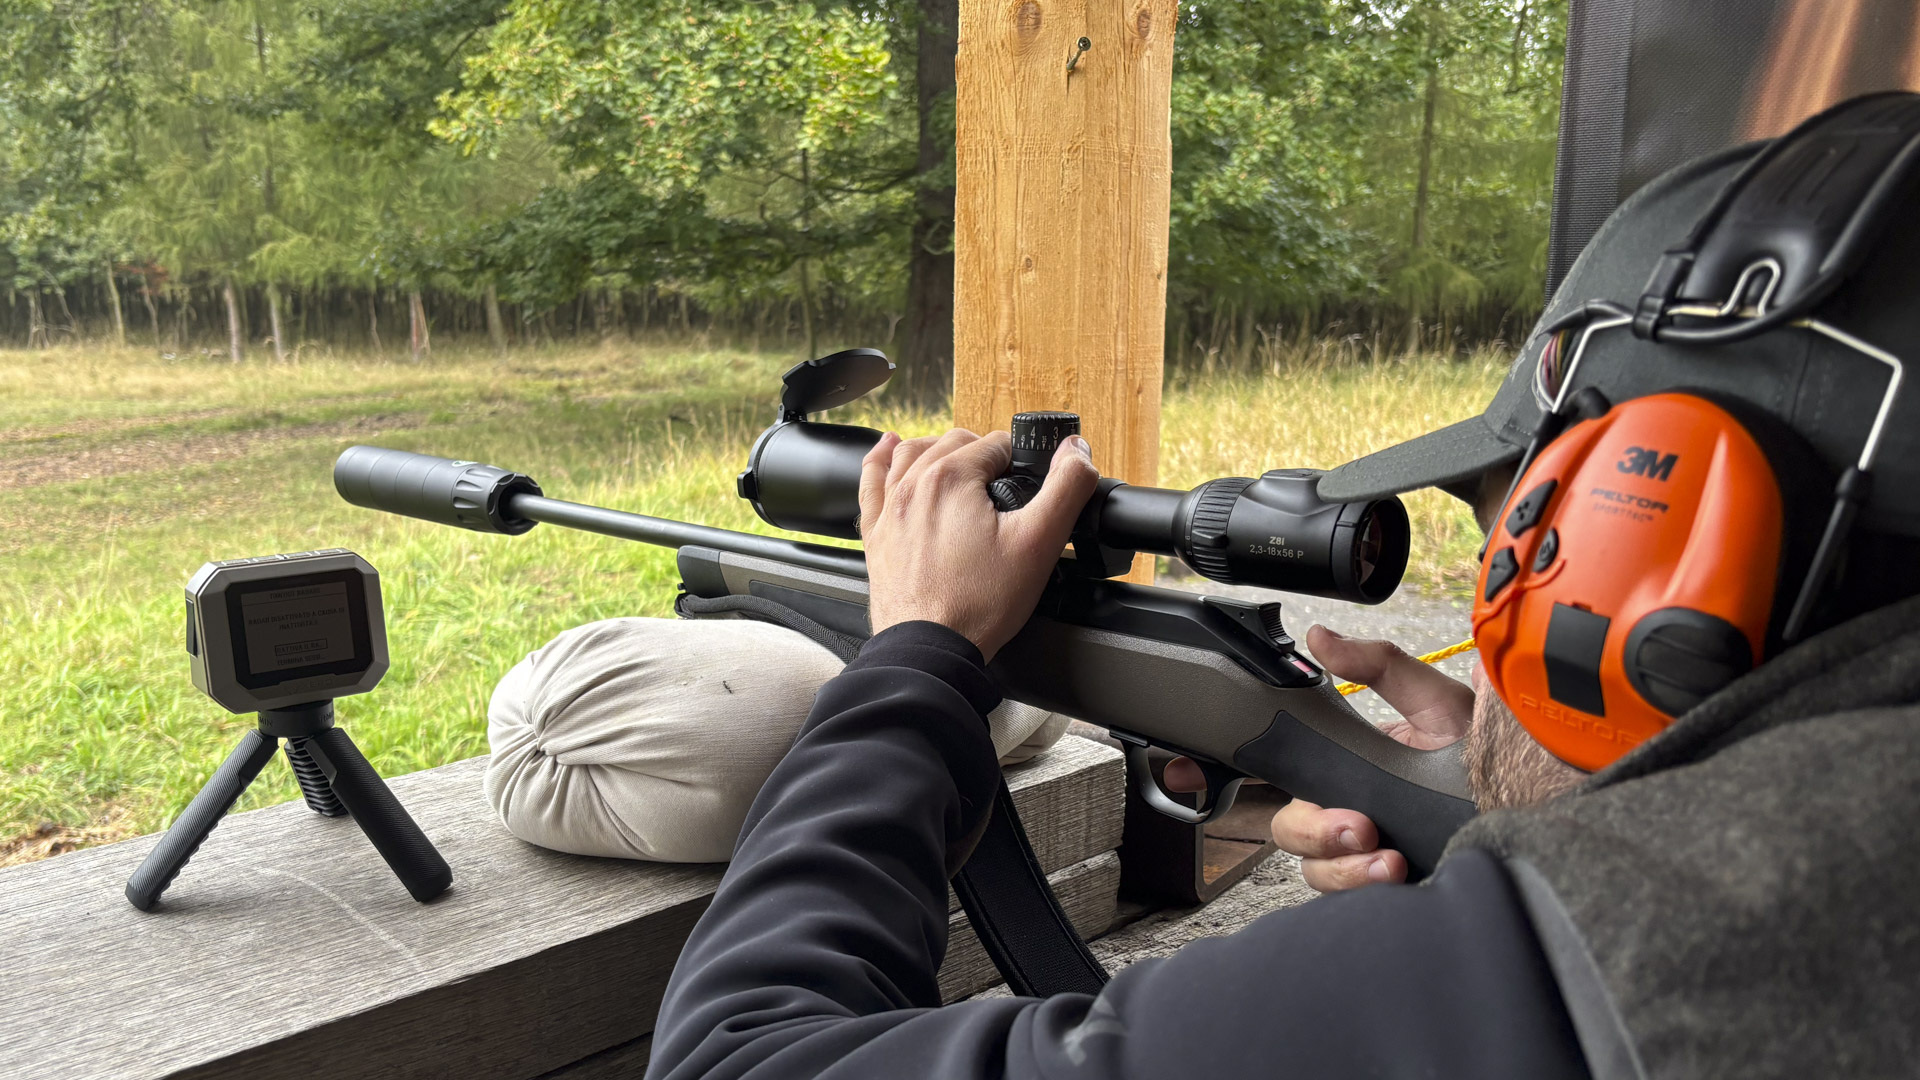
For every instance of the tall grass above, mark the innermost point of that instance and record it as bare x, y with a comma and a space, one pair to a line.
147, 468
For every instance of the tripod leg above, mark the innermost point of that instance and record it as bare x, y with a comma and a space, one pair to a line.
313, 781
393, 832
190, 829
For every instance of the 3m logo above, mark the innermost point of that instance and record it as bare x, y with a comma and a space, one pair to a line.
1640, 461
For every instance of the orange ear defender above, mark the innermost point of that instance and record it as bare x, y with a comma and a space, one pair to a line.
1634, 573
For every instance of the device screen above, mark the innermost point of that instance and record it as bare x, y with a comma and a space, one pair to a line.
298, 627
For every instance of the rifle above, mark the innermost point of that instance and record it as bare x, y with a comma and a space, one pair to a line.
1216, 679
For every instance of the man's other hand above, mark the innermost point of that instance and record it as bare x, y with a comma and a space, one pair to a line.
938, 551
1339, 849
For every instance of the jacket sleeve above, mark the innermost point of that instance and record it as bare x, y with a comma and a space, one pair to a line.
819, 953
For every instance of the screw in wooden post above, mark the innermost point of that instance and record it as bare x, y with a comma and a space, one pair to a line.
1084, 44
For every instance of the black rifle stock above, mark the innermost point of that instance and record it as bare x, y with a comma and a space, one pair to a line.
1198, 675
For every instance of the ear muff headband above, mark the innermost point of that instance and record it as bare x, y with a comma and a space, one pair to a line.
1634, 573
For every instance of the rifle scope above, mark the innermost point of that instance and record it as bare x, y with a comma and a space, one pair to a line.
1274, 532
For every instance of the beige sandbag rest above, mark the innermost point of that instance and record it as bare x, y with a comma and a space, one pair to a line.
648, 738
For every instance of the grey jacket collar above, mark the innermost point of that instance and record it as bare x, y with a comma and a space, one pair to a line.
1741, 895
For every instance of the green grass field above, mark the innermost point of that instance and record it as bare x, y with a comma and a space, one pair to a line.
122, 473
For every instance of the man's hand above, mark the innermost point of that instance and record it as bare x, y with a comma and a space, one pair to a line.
1338, 848
937, 550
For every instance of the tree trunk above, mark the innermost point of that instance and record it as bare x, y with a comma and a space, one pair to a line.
236, 340
1421, 196
496, 330
1519, 35
806, 279
418, 346
926, 368
273, 321
373, 319
153, 313
37, 336
73, 324
1423, 191
119, 317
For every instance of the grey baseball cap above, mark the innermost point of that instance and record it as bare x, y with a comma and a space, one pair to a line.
1826, 391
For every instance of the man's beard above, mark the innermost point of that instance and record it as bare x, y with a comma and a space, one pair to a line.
1506, 768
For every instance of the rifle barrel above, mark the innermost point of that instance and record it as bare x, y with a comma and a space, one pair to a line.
669, 533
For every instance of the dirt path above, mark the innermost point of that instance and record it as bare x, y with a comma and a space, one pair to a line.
49, 839
100, 425
147, 453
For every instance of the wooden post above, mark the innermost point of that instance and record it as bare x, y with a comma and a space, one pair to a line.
1060, 219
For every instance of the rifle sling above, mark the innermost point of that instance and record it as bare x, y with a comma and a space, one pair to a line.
1002, 888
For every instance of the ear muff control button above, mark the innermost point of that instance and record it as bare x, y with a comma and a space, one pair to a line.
1549, 551
1576, 640
1500, 571
1677, 657
1531, 507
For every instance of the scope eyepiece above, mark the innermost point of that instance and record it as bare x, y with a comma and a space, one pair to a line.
1277, 532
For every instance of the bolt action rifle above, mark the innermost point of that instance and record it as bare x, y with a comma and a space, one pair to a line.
1216, 679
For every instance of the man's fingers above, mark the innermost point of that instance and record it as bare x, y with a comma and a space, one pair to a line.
942, 447
906, 454
980, 461
1353, 871
873, 476
1070, 481
1437, 707
1312, 832
1181, 774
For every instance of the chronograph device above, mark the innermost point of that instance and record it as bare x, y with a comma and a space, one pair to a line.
281, 630
282, 636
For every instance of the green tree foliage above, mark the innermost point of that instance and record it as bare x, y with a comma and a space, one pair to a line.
72, 77
737, 147
1368, 166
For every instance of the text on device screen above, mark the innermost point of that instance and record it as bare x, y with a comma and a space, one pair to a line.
299, 626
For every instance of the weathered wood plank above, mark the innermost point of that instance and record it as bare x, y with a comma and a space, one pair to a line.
628, 1061
287, 947
1072, 800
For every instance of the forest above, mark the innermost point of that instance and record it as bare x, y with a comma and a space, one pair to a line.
253, 179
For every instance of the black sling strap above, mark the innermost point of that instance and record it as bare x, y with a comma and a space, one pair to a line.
1002, 888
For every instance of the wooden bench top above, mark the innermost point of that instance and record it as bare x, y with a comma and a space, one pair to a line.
287, 947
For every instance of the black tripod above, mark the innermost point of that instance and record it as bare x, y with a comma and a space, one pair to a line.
336, 779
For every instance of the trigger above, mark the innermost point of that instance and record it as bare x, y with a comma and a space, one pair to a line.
1223, 785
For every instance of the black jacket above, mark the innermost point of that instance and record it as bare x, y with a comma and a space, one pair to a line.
818, 955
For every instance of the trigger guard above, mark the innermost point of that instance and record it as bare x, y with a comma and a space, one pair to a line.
1220, 779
